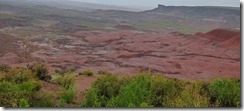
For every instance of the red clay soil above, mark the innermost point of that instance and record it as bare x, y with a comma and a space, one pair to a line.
50, 88
10, 58
2, 26
192, 57
228, 38
82, 85
202, 56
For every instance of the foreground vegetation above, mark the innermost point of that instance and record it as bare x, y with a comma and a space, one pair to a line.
147, 90
22, 87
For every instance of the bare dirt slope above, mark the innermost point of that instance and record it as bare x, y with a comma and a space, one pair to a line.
228, 38
194, 57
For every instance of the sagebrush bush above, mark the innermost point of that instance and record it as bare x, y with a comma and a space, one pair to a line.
164, 90
18, 95
65, 81
42, 99
41, 71
19, 75
191, 97
4, 67
65, 71
23, 103
104, 72
61, 103
68, 95
57, 71
105, 88
70, 70
92, 98
30, 86
225, 92
87, 73
19, 87
147, 90
133, 94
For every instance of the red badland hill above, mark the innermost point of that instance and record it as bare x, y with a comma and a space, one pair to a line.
226, 37
202, 56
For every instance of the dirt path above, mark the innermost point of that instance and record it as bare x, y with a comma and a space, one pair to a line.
82, 84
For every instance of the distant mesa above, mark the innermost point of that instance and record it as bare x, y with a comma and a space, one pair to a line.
160, 5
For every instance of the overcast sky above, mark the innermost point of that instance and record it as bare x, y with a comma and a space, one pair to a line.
154, 3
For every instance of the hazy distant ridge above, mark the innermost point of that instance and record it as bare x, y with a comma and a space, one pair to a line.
83, 6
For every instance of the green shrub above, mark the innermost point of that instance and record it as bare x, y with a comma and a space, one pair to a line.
133, 94
23, 103
104, 72
68, 95
65, 81
225, 93
191, 97
30, 86
146, 105
105, 88
87, 73
66, 71
4, 67
19, 75
42, 99
2, 75
92, 98
40, 71
17, 95
164, 90
147, 90
19, 87
70, 70
61, 103
5, 86
57, 71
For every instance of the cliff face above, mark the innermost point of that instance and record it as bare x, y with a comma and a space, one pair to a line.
199, 10
228, 16
161, 6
